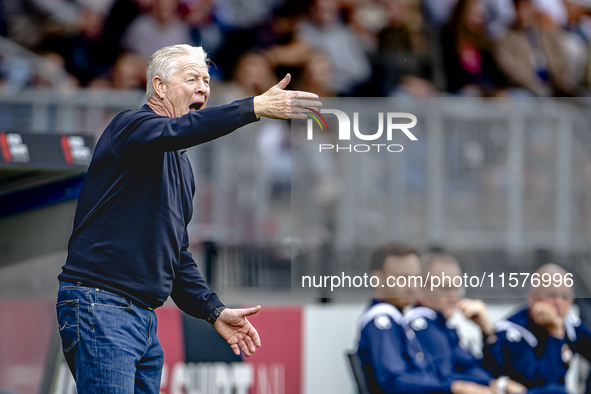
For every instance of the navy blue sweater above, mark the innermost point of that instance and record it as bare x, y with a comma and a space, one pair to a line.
130, 228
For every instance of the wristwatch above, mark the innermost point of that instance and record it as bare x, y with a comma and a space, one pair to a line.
214, 315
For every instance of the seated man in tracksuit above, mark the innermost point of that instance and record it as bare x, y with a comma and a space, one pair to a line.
535, 345
393, 359
429, 322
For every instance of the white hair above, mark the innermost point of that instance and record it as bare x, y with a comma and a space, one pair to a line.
163, 63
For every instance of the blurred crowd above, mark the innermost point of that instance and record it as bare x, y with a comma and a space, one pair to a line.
363, 48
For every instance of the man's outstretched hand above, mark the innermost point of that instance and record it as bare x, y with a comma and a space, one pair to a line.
233, 326
277, 103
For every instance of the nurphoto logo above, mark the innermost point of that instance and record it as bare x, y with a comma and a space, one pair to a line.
344, 132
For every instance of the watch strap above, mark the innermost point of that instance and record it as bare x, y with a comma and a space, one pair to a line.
213, 316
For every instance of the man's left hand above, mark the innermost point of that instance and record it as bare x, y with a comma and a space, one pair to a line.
547, 316
234, 327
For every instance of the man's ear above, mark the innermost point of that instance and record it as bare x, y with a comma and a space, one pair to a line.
159, 86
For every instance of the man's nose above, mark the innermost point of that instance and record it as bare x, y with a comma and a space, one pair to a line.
556, 303
201, 87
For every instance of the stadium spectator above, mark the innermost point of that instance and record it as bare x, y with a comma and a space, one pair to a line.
15, 74
151, 31
127, 74
121, 14
205, 31
85, 55
530, 55
575, 41
317, 74
325, 31
53, 74
501, 16
285, 51
252, 75
242, 24
29, 21
393, 359
403, 60
554, 11
535, 346
467, 59
563, 16
438, 12
429, 321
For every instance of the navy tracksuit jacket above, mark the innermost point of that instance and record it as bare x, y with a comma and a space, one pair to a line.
443, 345
393, 359
527, 354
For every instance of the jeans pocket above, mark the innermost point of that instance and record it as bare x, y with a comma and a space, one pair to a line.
106, 299
68, 323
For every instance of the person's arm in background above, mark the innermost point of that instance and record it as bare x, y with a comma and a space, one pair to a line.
475, 310
516, 358
466, 366
493, 358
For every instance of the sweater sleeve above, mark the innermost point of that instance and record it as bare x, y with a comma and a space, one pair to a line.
145, 132
189, 290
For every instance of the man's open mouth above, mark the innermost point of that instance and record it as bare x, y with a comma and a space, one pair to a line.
195, 106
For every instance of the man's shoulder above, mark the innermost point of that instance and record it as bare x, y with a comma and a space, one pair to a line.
516, 329
131, 116
382, 316
142, 111
122, 123
519, 316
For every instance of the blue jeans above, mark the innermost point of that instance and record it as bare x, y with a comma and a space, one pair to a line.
109, 343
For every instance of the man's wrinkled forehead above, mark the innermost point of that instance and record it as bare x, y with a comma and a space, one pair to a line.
191, 64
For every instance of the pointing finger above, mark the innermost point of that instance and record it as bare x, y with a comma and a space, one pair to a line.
305, 103
303, 95
301, 110
295, 115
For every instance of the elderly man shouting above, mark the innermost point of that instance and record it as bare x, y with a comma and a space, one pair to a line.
129, 248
